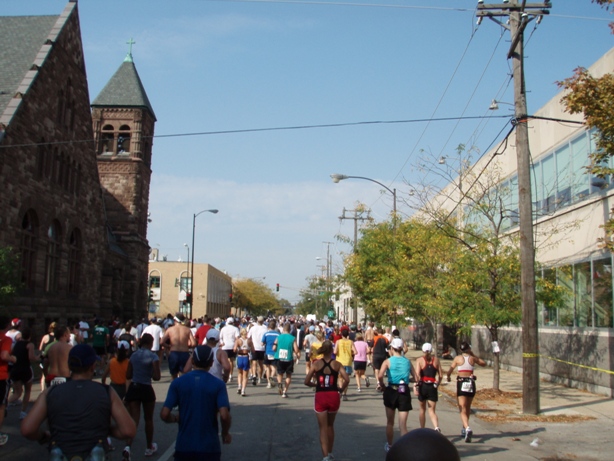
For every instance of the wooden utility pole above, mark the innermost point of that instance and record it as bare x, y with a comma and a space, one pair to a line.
358, 216
520, 13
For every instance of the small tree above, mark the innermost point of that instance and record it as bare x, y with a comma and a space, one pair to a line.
255, 297
9, 276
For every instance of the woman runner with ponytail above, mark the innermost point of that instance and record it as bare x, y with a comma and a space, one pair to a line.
327, 398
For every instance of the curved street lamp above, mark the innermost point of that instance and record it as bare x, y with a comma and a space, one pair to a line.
340, 177
214, 211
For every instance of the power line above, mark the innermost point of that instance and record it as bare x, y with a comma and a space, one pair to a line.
361, 5
279, 128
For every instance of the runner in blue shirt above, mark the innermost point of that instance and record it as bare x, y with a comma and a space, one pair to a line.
268, 340
201, 398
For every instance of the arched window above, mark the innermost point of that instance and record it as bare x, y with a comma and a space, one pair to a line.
29, 231
106, 140
74, 261
123, 140
52, 258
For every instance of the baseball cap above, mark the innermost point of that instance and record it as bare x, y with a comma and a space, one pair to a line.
396, 343
260, 318
230, 320
123, 345
202, 356
16, 322
312, 328
427, 347
82, 356
213, 334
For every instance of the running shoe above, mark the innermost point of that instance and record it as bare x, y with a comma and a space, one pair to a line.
259, 380
284, 395
468, 435
254, 381
280, 389
438, 430
268, 386
238, 390
3, 439
152, 450
126, 453
359, 390
463, 432
387, 447
242, 393
331, 457
367, 383
344, 398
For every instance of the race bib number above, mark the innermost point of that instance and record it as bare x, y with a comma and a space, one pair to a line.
467, 386
283, 354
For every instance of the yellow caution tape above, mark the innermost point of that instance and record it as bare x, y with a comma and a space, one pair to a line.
529, 355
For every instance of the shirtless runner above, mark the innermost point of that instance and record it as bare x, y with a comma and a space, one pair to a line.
181, 340
57, 371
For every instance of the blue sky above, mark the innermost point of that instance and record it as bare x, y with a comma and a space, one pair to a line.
224, 66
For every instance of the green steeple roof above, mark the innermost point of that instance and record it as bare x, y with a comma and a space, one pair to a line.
124, 89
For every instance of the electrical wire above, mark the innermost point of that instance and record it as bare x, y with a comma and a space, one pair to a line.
350, 4
257, 130
411, 153
475, 89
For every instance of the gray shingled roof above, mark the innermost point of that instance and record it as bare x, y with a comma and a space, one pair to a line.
21, 38
124, 89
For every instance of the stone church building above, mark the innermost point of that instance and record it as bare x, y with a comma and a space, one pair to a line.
75, 178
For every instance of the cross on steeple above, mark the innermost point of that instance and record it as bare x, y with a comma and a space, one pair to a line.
129, 55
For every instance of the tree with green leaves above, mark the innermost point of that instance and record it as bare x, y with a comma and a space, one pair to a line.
373, 273
315, 298
254, 297
9, 276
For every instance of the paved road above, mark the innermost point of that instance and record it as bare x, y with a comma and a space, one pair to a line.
269, 428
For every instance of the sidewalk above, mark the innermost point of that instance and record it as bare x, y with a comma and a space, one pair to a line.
570, 425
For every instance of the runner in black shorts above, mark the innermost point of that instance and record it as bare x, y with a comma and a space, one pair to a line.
21, 371
428, 369
144, 367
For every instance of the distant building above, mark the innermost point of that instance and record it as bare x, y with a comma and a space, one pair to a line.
170, 288
75, 192
347, 307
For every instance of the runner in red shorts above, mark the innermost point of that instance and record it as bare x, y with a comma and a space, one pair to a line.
327, 398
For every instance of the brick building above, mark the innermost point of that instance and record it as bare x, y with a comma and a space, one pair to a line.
75, 190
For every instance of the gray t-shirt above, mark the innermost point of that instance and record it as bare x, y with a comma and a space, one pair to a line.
142, 366
309, 340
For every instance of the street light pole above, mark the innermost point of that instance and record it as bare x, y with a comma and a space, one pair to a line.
192, 270
339, 177
187, 272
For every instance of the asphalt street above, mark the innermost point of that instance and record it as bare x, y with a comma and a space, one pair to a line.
268, 428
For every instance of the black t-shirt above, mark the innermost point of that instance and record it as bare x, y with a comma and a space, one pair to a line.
380, 348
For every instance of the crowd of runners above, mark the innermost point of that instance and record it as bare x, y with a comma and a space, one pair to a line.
264, 351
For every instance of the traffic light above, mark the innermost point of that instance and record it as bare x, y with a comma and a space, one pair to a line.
230, 298
188, 298
277, 289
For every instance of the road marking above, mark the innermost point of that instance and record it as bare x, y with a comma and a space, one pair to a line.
168, 454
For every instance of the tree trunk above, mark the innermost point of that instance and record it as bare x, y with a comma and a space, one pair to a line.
494, 334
